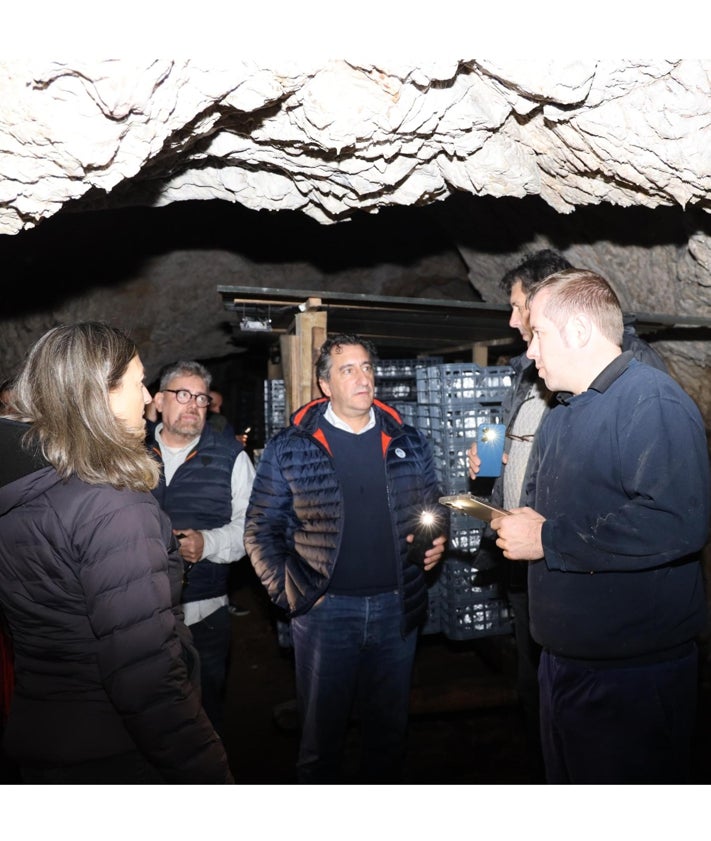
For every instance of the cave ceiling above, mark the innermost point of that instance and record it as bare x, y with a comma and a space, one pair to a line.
130, 191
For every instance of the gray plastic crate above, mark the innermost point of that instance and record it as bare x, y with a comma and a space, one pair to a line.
468, 619
274, 407
456, 425
391, 390
463, 382
396, 379
407, 411
472, 606
452, 429
399, 368
495, 383
464, 537
439, 383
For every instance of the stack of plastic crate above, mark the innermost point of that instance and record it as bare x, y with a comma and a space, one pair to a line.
453, 400
395, 380
472, 604
274, 407
396, 384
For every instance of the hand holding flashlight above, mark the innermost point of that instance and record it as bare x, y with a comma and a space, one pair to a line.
427, 544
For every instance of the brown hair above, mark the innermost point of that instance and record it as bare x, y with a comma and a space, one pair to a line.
324, 362
63, 393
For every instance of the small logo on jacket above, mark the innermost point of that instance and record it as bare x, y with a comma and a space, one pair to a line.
400, 453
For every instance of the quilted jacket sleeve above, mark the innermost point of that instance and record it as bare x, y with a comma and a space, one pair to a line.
142, 662
267, 525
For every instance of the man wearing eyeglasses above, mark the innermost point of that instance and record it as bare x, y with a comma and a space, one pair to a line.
204, 488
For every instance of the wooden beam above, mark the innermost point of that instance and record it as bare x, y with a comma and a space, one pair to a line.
311, 334
298, 357
289, 346
480, 354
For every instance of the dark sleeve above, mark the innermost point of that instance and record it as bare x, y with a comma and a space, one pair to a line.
663, 513
141, 659
267, 525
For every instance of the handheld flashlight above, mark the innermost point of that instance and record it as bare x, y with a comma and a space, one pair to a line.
425, 532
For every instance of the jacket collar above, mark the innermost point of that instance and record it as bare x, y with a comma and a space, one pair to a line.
606, 377
308, 416
612, 372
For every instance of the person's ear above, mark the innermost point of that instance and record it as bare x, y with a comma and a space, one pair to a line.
325, 388
580, 329
158, 399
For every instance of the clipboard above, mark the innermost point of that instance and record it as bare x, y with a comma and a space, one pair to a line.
473, 506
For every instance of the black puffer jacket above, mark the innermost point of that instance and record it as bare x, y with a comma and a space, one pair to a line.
294, 522
102, 658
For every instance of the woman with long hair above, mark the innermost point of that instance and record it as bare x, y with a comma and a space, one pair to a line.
106, 678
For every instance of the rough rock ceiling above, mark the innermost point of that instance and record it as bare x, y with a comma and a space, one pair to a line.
610, 161
329, 139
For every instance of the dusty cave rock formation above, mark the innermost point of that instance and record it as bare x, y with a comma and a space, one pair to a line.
332, 139
328, 138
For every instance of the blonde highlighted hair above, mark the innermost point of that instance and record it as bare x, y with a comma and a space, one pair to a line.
63, 393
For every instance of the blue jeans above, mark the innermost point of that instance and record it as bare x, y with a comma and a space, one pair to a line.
211, 637
350, 657
630, 725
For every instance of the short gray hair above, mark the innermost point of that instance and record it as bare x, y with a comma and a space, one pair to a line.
184, 368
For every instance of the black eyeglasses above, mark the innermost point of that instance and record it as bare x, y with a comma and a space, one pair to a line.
182, 395
525, 438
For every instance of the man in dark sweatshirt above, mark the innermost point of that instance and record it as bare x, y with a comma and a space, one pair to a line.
523, 411
619, 510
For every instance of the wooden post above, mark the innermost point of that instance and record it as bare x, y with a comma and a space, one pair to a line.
287, 344
310, 327
481, 351
480, 354
298, 355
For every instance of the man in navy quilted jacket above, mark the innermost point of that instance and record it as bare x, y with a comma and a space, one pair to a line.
329, 525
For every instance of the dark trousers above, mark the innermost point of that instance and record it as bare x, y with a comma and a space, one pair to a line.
528, 655
350, 656
630, 725
212, 641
